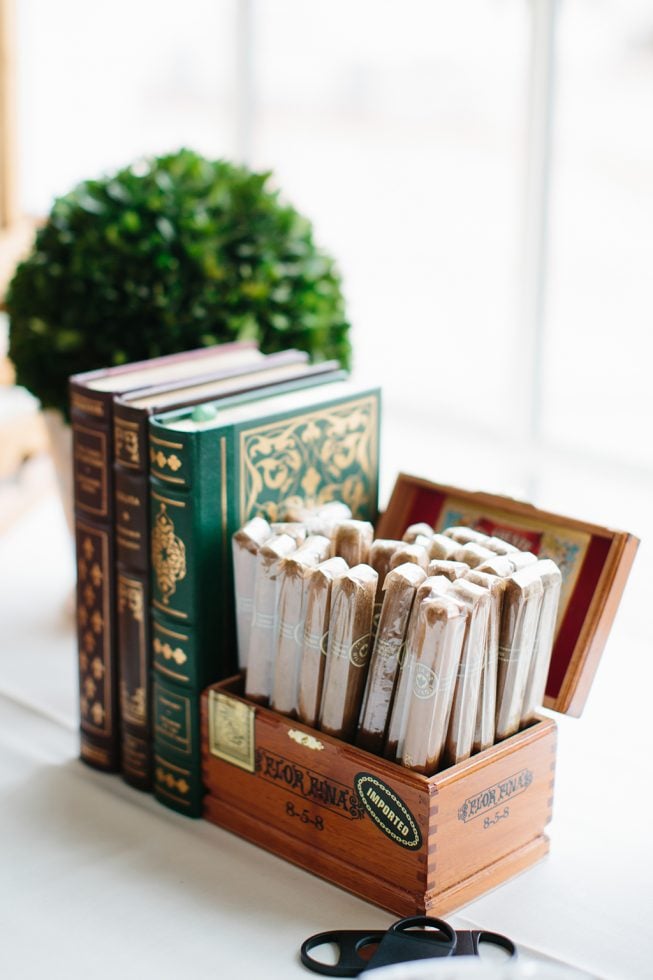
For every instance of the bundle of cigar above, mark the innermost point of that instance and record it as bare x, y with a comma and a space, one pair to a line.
424, 650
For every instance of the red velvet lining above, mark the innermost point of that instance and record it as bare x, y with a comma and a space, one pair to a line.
577, 609
427, 506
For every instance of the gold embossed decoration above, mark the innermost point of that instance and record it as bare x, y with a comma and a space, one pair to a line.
160, 460
169, 653
167, 779
95, 693
126, 442
328, 454
133, 705
303, 738
130, 596
168, 554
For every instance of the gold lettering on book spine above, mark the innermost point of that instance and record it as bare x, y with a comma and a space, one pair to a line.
131, 601
168, 554
328, 454
130, 596
90, 406
132, 704
126, 444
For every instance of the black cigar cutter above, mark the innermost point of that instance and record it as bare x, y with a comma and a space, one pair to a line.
419, 937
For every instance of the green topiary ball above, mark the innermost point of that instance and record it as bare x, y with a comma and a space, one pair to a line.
169, 254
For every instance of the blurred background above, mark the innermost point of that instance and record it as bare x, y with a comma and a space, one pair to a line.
483, 173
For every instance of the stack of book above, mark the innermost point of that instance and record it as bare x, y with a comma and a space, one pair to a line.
170, 457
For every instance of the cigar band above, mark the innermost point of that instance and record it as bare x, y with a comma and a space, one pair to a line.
264, 621
402, 653
317, 641
359, 651
290, 631
387, 648
469, 669
426, 682
356, 652
509, 655
244, 604
377, 615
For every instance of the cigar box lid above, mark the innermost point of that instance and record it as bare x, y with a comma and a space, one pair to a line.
595, 562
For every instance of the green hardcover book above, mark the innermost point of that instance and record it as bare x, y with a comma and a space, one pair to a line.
212, 468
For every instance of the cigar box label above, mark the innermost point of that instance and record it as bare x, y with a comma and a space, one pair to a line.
388, 811
308, 784
495, 796
567, 547
231, 731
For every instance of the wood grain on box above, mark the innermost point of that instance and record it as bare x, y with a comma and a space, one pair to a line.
401, 840
409, 843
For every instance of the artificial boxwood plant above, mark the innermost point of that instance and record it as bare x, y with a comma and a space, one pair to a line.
169, 254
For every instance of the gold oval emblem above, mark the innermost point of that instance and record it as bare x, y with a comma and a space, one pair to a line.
303, 738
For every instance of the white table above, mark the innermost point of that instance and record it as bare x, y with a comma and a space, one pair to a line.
98, 880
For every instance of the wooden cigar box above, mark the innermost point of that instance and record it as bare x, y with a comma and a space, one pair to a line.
410, 843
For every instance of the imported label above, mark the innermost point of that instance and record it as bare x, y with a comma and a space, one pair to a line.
388, 811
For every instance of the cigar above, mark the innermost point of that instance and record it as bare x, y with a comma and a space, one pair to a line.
487, 698
522, 559
416, 530
399, 594
431, 588
245, 544
292, 575
500, 565
350, 625
352, 541
294, 510
506, 565
334, 512
473, 554
438, 643
442, 547
499, 546
465, 535
462, 724
381, 554
324, 520
416, 554
316, 634
318, 545
522, 603
296, 530
450, 569
546, 627
424, 542
260, 661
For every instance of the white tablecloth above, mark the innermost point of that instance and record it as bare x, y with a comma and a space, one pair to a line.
98, 880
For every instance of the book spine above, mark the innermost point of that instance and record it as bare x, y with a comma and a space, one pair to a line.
132, 531
91, 419
189, 491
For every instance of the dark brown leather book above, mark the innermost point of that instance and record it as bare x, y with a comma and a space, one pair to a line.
91, 411
133, 456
